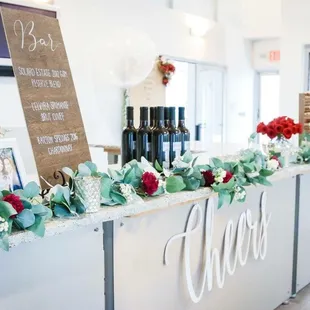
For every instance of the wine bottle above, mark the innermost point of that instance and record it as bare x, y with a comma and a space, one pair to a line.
129, 139
144, 136
174, 137
184, 132
160, 140
152, 117
166, 117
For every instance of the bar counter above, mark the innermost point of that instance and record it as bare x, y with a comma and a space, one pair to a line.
176, 251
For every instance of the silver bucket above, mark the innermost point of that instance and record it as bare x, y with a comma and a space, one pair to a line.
88, 189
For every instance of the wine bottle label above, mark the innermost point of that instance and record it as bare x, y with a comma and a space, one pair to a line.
166, 148
177, 149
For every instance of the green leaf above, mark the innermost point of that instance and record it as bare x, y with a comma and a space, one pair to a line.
38, 228
6, 210
61, 211
129, 176
26, 204
224, 186
188, 172
221, 199
24, 219
266, 173
160, 191
78, 205
6, 193
61, 195
194, 161
263, 181
19, 193
228, 167
158, 167
187, 157
106, 184
197, 174
84, 171
253, 136
117, 197
39, 210
108, 202
49, 214
10, 222
248, 167
116, 175
92, 167
216, 163
174, 184
31, 190
191, 184
1, 195
4, 242
68, 171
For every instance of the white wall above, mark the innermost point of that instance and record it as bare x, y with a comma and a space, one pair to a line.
204, 8
261, 50
295, 36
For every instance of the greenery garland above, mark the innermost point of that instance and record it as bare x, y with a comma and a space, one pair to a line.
26, 210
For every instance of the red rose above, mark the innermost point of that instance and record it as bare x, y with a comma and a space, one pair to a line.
287, 132
228, 177
149, 183
15, 202
279, 129
260, 127
271, 132
294, 129
209, 178
165, 81
299, 128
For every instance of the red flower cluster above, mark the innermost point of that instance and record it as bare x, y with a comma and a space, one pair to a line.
210, 179
281, 126
149, 183
15, 202
167, 69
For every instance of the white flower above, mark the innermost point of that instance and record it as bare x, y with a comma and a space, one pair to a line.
219, 175
272, 164
239, 193
4, 225
219, 179
162, 184
126, 191
253, 174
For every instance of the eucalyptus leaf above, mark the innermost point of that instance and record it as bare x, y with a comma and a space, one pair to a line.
68, 171
5, 193
129, 176
116, 175
31, 190
216, 162
26, 204
158, 167
61, 211
248, 167
187, 157
263, 181
38, 228
78, 205
160, 191
6, 210
84, 171
117, 197
266, 173
19, 193
194, 161
39, 210
24, 219
174, 184
92, 166
106, 184
191, 183
48, 215
108, 202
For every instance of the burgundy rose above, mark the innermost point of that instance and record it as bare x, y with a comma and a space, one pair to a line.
149, 183
228, 177
209, 178
15, 202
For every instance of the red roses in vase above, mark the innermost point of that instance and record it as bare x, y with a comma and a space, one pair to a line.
281, 127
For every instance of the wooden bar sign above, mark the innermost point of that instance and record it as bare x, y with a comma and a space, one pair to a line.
47, 92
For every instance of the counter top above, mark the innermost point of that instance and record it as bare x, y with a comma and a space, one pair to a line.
59, 226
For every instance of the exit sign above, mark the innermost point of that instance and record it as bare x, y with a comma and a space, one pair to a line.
274, 56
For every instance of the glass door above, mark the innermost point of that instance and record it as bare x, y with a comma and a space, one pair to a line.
209, 108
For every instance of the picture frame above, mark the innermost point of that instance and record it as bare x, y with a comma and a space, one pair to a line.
12, 169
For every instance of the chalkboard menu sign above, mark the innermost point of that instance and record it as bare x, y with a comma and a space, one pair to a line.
47, 92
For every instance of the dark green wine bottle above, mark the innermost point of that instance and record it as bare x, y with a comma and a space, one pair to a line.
184, 132
160, 140
129, 139
152, 117
144, 136
167, 113
174, 137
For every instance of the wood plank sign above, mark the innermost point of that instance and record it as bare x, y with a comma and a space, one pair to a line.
47, 92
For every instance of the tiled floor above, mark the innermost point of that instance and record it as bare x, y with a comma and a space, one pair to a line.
301, 302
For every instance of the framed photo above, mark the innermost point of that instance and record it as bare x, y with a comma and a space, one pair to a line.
12, 170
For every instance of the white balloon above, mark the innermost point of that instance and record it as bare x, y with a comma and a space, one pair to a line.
130, 57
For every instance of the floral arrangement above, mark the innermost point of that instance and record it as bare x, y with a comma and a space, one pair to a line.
26, 210
167, 69
281, 127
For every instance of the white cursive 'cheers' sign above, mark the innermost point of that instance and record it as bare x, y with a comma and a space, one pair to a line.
238, 246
